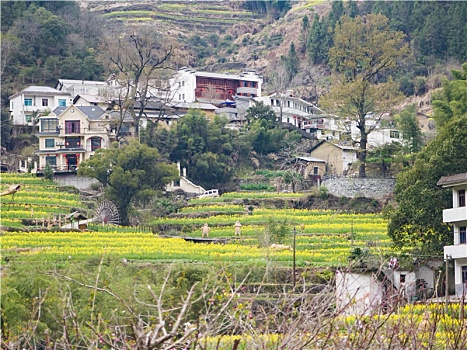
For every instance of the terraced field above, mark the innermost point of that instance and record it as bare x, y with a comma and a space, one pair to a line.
37, 199
204, 17
323, 238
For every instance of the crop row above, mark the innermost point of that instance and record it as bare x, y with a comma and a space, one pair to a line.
146, 246
32, 179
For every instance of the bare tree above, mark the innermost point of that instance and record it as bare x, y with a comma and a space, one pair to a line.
9, 46
279, 80
211, 95
139, 59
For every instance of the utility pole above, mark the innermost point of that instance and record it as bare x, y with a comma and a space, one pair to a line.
294, 233
446, 293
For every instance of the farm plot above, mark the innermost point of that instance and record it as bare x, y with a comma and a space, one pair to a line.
37, 200
323, 238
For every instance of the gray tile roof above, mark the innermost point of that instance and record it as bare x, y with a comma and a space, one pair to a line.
452, 180
92, 112
42, 90
312, 159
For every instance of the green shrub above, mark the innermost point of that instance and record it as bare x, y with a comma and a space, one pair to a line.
257, 187
48, 173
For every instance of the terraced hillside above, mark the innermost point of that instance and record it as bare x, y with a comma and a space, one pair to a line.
182, 17
38, 202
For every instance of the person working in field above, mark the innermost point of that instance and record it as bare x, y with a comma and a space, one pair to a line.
205, 230
238, 227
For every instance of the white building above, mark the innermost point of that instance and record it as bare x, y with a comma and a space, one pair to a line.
92, 100
70, 135
188, 85
382, 131
86, 87
303, 115
457, 216
35, 100
358, 293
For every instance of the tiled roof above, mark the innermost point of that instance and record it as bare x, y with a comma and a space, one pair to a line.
43, 90
452, 180
312, 159
92, 112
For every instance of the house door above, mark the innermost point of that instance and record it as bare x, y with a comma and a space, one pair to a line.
71, 161
464, 277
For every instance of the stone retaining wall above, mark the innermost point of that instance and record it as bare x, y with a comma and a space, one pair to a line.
359, 187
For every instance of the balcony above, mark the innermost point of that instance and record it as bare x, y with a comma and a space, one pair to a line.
456, 251
247, 90
455, 215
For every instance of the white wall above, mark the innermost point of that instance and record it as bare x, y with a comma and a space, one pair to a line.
19, 110
183, 86
357, 294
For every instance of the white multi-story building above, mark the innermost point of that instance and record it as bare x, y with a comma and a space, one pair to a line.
303, 115
382, 130
457, 216
70, 135
188, 85
33, 101
87, 87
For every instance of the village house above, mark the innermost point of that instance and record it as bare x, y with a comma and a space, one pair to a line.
34, 101
70, 135
457, 217
105, 89
188, 86
93, 100
338, 156
382, 130
301, 114
367, 291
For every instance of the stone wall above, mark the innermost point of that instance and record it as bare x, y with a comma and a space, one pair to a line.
359, 187
80, 182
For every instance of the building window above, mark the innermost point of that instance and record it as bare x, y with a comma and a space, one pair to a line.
461, 195
96, 143
28, 101
462, 236
315, 170
72, 127
183, 83
49, 125
28, 118
183, 97
51, 160
49, 143
45, 102
62, 102
394, 134
72, 142
179, 97
464, 275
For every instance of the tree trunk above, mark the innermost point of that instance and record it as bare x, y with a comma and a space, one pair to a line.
362, 152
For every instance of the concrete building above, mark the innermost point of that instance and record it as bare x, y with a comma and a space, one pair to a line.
188, 85
86, 87
35, 100
338, 156
70, 135
457, 217
292, 110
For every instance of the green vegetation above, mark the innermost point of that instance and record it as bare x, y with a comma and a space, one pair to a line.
363, 49
128, 172
417, 221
